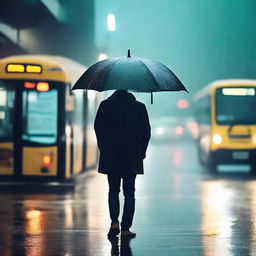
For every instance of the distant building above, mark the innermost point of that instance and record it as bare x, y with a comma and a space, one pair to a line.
55, 27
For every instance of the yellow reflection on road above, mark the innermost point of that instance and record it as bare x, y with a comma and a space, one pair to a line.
68, 214
34, 240
33, 226
217, 218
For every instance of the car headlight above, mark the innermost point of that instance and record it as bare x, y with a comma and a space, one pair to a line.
160, 130
217, 139
179, 130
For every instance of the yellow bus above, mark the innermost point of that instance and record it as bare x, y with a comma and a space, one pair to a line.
46, 132
225, 113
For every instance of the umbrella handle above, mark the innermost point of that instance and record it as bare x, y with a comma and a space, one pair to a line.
151, 97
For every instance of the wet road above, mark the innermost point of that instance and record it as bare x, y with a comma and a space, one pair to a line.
180, 210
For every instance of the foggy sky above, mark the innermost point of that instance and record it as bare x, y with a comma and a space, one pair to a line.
200, 40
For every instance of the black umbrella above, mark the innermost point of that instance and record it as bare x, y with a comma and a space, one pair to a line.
129, 73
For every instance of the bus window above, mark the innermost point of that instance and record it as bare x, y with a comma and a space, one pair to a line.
6, 113
203, 111
234, 107
40, 116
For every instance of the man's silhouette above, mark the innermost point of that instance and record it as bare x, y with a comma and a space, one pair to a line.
123, 132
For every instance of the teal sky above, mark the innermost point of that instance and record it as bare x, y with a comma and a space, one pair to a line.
200, 40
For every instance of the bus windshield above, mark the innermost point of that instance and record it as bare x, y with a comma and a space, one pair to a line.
235, 105
40, 116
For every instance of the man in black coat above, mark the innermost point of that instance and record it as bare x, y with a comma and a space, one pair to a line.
123, 131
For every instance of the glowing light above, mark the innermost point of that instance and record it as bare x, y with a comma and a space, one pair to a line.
42, 87
46, 159
111, 20
33, 214
217, 139
183, 104
19, 68
179, 130
29, 85
160, 130
33, 69
254, 139
102, 56
238, 91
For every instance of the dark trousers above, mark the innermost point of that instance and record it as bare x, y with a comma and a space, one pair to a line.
114, 182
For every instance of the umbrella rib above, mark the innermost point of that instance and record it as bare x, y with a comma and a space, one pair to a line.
150, 73
177, 79
112, 69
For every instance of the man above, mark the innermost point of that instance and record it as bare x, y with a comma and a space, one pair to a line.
123, 131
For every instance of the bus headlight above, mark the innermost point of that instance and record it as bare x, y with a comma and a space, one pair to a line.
217, 139
254, 139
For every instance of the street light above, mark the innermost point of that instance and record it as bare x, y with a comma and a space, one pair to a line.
102, 56
111, 21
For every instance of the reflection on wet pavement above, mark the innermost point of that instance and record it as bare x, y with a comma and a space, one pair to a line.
120, 246
228, 214
181, 209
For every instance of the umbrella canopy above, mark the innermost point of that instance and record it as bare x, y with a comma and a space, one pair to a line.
129, 73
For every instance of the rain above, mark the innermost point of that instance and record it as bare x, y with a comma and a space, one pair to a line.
197, 193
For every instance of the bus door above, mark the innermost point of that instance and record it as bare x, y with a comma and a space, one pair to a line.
29, 132
39, 132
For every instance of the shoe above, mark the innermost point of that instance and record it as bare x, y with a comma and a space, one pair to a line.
114, 230
113, 240
127, 234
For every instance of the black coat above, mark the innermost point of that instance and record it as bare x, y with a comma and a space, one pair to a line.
123, 131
